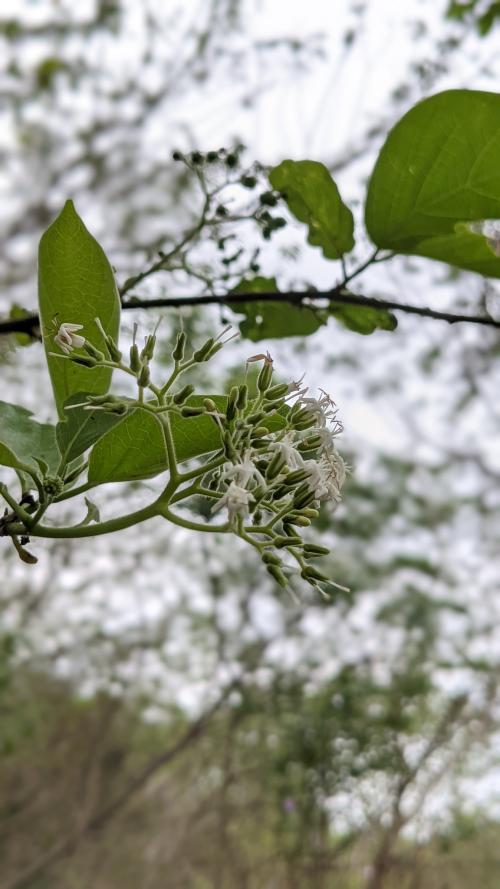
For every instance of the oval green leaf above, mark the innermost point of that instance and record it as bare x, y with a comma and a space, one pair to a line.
437, 173
313, 197
23, 440
75, 285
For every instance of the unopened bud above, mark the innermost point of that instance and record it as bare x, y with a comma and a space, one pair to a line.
185, 392
275, 465
295, 477
149, 347
204, 352
93, 352
188, 411
83, 360
241, 401
270, 558
277, 391
180, 345
277, 574
299, 520
259, 432
210, 405
254, 419
231, 403
282, 541
144, 376
313, 549
311, 574
135, 361
265, 376
311, 443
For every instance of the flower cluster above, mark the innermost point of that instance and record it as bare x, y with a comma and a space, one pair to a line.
274, 460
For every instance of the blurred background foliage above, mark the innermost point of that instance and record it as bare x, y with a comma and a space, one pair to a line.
167, 717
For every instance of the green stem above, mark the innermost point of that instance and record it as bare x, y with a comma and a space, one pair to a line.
175, 476
21, 513
193, 526
118, 524
202, 470
74, 492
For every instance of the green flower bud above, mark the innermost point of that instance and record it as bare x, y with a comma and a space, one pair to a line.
272, 406
93, 352
144, 376
295, 477
313, 549
298, 520
185, 392
312, 575
231, 403
210, 405
149, 347
301, 426
274, 467
53, 486
180, 345
310, 513
282, 541
135, 361
277, 391
303, 497
270, 558
188, 411
204, 352
241, 402
311, 443
265, 376
83, 360
254, 419
259, 432
277, 574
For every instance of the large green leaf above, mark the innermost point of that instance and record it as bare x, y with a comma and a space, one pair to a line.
135, 448
313, 197
267, 320
22, 439
75, 285
437, 173
81, 427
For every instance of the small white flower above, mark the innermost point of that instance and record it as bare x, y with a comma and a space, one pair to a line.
68, 339
288, 451
327, 437
237, 500
243, 472
323, 408
326, 478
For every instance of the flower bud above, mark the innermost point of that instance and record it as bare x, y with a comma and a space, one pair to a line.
209, 405
53, 486
188, 411
231, 403
259, 432
204, 352
312, 575
241, 401
277, 391
301, 426
303, 497
254, 419
310, 513
313, 549
135, 361
272, 406
149, 347
282, 541
185, 392
83, 360
265, 376
277, 574
270, 558
295, 477
180, 345
144, 376
93, 352
274, 467
311, 443
298, 520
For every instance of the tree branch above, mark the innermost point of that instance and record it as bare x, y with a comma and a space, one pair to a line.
307, 298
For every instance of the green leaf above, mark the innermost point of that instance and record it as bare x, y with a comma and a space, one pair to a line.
17, 313
313, 197
437, 173
135, 448
75, 285
81, 428
364, 319
268, 320
23, 440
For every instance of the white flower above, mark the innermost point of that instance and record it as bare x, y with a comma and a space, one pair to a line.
323, 408
290, 454
237, 500
326, 478
327, 437
244, 471
67, 339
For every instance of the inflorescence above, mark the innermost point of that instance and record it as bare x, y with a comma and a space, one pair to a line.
276, 458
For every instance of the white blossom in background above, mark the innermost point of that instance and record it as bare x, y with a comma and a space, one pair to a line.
243, 472
68, 339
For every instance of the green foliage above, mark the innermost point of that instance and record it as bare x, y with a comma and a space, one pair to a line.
81, 428
313, 197
22, 439
364, 319
76, 285
437, 172
135, 448
483, 19
268, 320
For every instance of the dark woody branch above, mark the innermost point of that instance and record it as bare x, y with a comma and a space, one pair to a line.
306, 298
